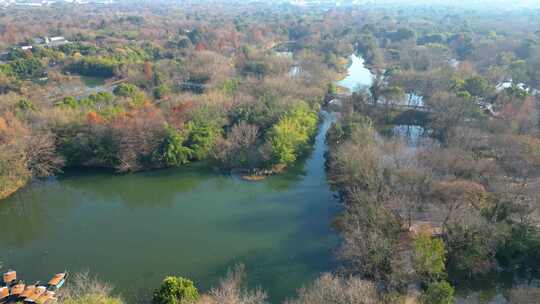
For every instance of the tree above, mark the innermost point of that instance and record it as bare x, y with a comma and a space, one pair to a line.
130, 91
477, 86
172, 150
449, 111
27, 68
14, 171
330, 289
240, 147
429, 257
176, 290
201, 138
439, 293
292, 132
458, 195
137, 133
43, 159
230, 290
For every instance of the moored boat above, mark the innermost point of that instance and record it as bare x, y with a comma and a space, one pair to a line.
4, 294
9, 277
47, 296
57, 281
38, 292
29, 290
17, 289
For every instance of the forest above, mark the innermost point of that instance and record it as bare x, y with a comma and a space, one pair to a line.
241, 87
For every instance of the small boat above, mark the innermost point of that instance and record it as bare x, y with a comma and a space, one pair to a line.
4, 294
17, 289
57, 281
47, 296
38, 292
29, 290
10, 277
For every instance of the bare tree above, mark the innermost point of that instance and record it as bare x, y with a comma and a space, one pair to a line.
232, 291
331, 289
43, 159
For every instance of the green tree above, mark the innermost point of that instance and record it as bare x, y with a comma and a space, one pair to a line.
201, 138
476, 86
439, 293
129, 90
70, 102
27, 68
172, 151
162, 91
176, 290
292, 133
429, 257
25, 105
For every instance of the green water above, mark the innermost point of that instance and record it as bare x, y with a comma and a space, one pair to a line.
93, 82
132, 230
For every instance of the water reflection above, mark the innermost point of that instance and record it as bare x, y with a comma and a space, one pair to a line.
414, 136
358, 76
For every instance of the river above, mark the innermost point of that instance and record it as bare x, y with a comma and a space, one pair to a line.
133, 230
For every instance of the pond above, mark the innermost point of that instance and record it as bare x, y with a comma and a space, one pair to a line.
133, 230
358, 75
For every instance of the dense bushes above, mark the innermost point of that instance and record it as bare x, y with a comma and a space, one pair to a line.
96, 67
176, 290
27, 68
130, 91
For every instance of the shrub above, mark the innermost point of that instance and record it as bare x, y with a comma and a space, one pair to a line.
130, 91
70, 102
84, 289
162, 91
439, 293
25, 105
232, 290
176, 290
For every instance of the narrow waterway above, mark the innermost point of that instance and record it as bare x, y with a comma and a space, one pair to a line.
493, 288
133, 230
